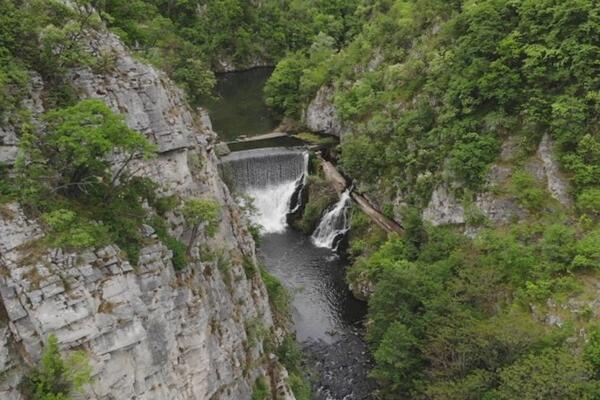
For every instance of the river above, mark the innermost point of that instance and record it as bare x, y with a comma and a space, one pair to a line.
328, 320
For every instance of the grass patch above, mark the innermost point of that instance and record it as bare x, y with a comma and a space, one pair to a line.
260, 390
314, 138
279, 298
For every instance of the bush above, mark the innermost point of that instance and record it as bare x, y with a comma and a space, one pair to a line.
555, 374
56, 378
67, 229
558, 243
587, 251
527, 191
260, 390
588, 202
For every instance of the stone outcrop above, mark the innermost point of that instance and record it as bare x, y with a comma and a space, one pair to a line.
557, 185
443, 208
150, 332
321, 115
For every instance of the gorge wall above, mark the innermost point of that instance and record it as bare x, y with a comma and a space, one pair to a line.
150, 332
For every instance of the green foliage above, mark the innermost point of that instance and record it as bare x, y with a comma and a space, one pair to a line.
260, 390
471, 156
290, 355
553, 374
279, 298
66, 177
281, 91
592, 349
189, 38
397, 358
434, 88
527, 190
56, 378
250, 268
71, 159
449, 313
587, 251
588, 202
202, 212
67, 230
179, 259
558, 243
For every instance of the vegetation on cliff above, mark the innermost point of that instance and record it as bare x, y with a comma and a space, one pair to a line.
56, 378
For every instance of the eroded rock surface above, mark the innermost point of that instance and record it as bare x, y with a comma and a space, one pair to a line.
321, 115
150, 332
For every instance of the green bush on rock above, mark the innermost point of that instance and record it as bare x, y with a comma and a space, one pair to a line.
56, 378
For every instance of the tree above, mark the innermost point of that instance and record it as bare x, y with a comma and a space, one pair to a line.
281, 91
398, 359
555, 374
198, 212
56, 378
79, 148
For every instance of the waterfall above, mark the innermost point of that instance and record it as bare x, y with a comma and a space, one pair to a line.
271, 176
334, 224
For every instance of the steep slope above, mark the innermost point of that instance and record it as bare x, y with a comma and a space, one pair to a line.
150, 332
475, 125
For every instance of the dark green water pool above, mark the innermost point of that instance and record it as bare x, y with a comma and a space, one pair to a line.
240, 108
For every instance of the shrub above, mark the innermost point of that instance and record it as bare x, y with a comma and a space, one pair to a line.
283, 88
553, 374
588, 202
201, 212
67, 229
558, 243
527, 191
56, 378
588, 251
260, 390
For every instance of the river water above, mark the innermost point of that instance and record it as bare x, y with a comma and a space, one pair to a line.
328, 320
239, 108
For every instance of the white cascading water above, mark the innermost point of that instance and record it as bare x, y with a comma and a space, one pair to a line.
271, 177
272, 204
334, 224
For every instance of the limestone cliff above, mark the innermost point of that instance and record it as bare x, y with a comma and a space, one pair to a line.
150, 332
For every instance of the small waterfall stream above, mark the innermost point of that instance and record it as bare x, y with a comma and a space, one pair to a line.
334, 224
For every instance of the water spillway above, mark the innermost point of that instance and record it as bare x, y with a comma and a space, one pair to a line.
271, 177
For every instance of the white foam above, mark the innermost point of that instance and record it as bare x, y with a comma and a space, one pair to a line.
334, 224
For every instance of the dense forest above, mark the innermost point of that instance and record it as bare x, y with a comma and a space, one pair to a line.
430, 94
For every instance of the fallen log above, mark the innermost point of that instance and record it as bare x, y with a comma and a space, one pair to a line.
340, 184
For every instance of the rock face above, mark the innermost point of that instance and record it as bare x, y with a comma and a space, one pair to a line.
557, 186
150, 332
443, 208
321, 115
